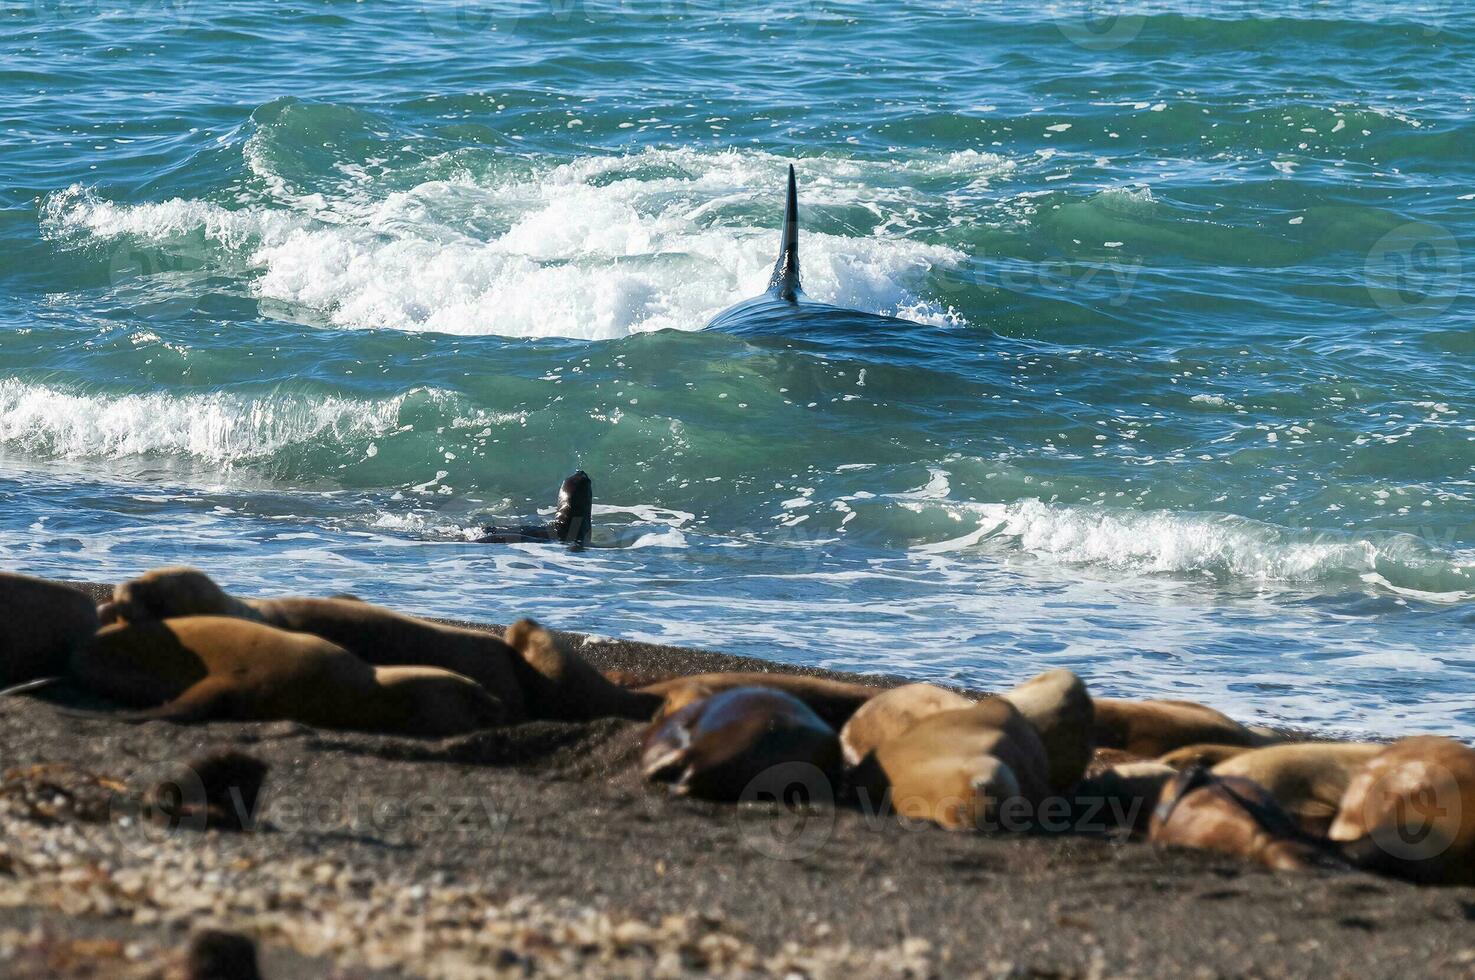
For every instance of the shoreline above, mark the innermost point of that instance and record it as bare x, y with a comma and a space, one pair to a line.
539, 849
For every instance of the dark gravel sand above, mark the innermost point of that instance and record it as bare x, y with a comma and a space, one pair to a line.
553, 817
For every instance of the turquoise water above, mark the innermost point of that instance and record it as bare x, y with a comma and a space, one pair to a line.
304, 293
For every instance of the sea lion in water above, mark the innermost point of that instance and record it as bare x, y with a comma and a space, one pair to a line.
890, 714
1230, 815
572, 522
383, 637
1308, 779
1057, 704
200, 668
834, 701
966, 769
1155, 728
716, 747
1410, 812
41, 624
783, 307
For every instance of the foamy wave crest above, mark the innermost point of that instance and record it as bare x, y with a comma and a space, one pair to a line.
219, 428
598, 248
1221, 546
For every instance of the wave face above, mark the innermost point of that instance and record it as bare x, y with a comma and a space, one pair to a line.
1186, 406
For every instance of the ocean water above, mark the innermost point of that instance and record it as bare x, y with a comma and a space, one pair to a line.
303, 293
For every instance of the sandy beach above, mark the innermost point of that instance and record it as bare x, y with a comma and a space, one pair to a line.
538, 850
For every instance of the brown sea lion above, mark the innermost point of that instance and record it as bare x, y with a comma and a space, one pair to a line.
1057, 704
1155, 728
1308, 779
716, 748
1410, 812
559, 684
41, 623
971, 768
1203, 754
834, 701
1122, 795
386, 638
1230, 815
891, 713
199, 668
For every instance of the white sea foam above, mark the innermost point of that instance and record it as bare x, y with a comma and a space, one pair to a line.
598, 248
218, 427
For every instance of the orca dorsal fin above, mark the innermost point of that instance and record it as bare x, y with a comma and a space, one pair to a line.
785, 281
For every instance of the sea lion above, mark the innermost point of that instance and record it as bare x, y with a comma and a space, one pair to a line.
834, 701
200, 668
715, 748
561, 685
1410, 812
969, 768
1202, 754
1308, 779
1230, 815
1155, 728
783, 307
386, 638
572, 522
41, 624
1057, 704
1122, 795
890, 714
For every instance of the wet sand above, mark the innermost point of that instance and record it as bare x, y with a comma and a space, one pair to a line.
538, 849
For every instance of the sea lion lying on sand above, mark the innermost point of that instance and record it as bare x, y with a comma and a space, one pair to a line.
1410, 812
1123, 795
1231, 815
41, 624
834, 701
721, 746
558, 681
890, 714
1155, 728
1308, 779
970, 768
1057, 704
199, 668
572, 523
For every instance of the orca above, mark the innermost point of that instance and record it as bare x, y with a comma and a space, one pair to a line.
572, 524
783, 307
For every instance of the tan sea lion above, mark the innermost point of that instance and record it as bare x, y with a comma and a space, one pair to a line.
1230, 815
716, 748
971, 768
1057, 704
1155, 728
891, 713
199, 668
1308, 779
386, 638
1202, 754
1410, 812
834, 701
41, 623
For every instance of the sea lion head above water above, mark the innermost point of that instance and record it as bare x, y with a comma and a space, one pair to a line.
719, 747
574, 520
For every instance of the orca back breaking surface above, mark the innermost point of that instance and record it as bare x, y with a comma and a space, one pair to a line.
783, 307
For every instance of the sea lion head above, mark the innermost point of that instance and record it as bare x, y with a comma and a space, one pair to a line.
574, 520
1231, 815
170, 593
434, 702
